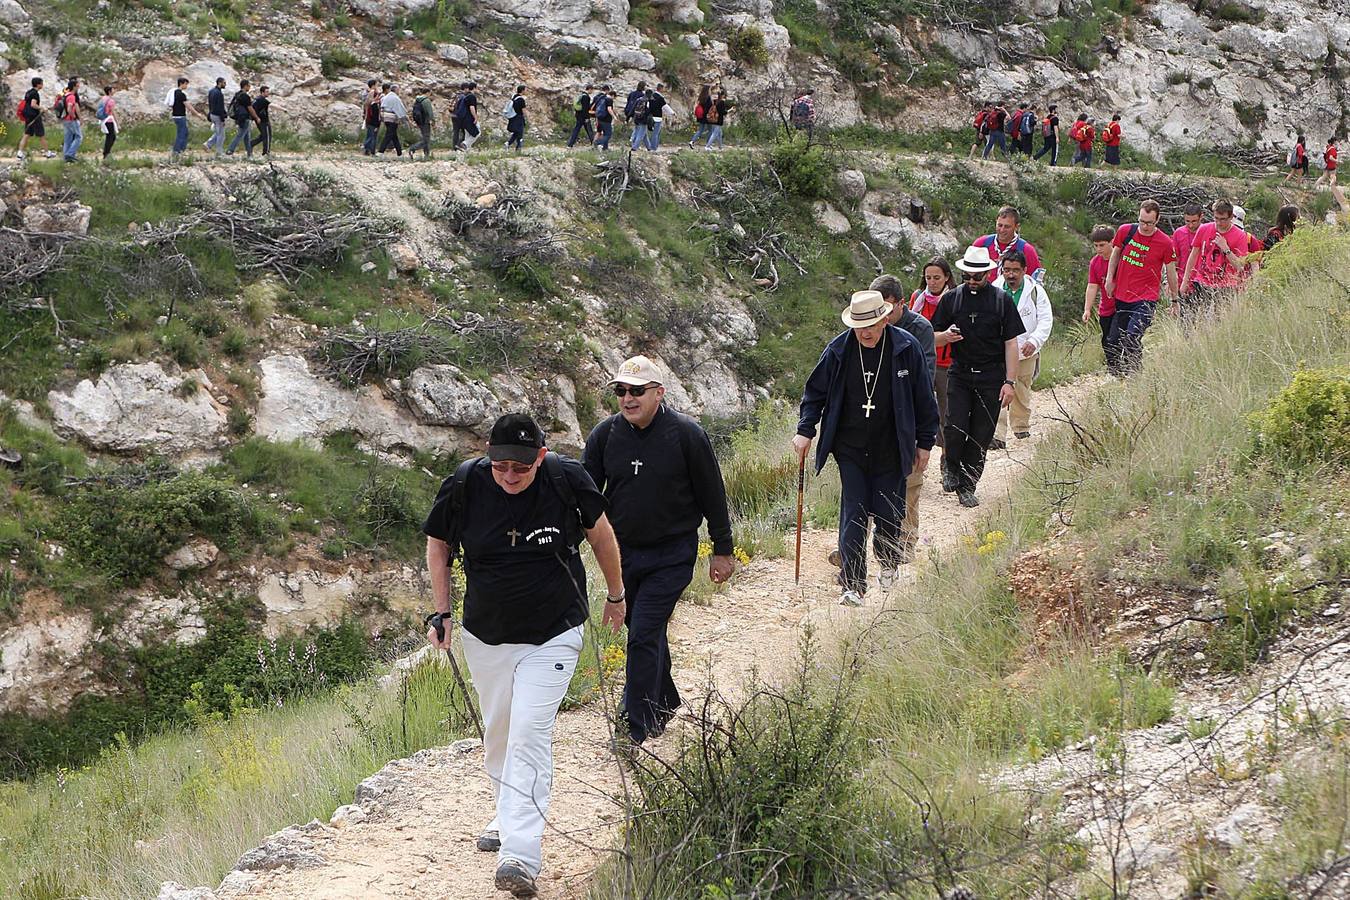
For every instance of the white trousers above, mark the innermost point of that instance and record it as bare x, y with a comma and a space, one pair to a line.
520, 687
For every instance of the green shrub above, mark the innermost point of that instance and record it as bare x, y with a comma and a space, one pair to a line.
336, 59
806, 172
1309, 421
234, 343
747, 45
123, 533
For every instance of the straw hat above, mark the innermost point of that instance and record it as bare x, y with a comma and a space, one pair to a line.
866, 308
976, 260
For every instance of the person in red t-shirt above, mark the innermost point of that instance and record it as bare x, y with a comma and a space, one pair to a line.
1111, 141
1006, 238
1096, 300
1217, 265
1299, 163
1083, 134
1141, 256
1192, 214
1329, 157
995, 121
981, 129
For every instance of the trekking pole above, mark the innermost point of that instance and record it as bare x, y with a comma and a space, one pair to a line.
801, 495
459, 679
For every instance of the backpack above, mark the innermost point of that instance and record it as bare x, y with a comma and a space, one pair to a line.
1014, 122
581, 105
801, 113
979, 120
101, 112
642, 107
713, 114
59, 106
509, 110
234, 110
1292, 159
168, 98
552, 467
700, 114
1047, 129
21, 112
1027, 121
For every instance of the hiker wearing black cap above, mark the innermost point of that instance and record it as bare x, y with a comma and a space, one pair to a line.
516, 518
872, 398
981, 324
658, 472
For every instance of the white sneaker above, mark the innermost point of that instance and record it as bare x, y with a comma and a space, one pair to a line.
20, 155
851, 598
50, 154
886, 579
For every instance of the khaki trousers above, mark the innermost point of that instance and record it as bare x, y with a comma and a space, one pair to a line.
1019, 411
909, 527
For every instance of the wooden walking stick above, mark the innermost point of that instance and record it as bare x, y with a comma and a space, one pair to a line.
801, 494
437, 624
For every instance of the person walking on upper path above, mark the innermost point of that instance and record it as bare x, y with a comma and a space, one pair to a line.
1142, 256
68, 111
1006, 238
1096, 298
657, 469
243, 114
1015, 128
631, 102
981, 323
981, 126
1286, 220
33, 127
106, 114
581, 116
1111, 141
647, 120
701, 108
1028, 129
996, 121
917, 326
514, 111
1033, 306
262, 108
1217, 266
603, 107
1083, 135
392, 111
872, 399
937, 280
1050, 135
424, 117
216, 115
466, 117
1330, 160
515, 518
374, 94
717, 119
802, 113
1298, 161
178, 113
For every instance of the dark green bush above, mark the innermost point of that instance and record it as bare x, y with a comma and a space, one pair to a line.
336, 59
1309, 421
806, 172
747, 45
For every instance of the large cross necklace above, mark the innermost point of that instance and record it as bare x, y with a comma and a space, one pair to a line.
870, 379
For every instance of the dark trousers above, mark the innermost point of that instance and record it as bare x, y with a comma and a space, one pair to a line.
1113, 155
1027, 143
372, 135
425, 143
583, 123
1110, 349
865, 497
391, 138
515, 131
1050, 146
606, 132
1127, 332
456, 133
109, 137
972, 416
264, 137
653, 578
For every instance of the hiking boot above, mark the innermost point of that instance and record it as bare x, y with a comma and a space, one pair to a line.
514, 877
948, 483
968, 499
835, 559
489, 841
1021, 435
998, 444
851, 598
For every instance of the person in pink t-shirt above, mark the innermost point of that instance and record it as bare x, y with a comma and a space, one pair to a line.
1218, 264
1192, 214
1097, 300
1143, 262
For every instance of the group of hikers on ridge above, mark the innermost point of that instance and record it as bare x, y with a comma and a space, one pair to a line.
947, 363
1016, 131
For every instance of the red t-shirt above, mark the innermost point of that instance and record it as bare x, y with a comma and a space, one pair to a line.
925, 304
1139, 271
1183, 237
1329, 157
1213, 269
1111, 135
1106, 306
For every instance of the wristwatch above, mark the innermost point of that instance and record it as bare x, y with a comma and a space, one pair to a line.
619, 599
1009, 382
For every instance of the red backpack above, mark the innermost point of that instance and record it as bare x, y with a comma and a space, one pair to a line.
21, 112
979, 119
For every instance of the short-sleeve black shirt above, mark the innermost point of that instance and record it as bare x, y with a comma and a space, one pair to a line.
34, 108
519, 594
179, 103
987, 317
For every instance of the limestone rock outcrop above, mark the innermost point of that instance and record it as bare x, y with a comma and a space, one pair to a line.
140, 407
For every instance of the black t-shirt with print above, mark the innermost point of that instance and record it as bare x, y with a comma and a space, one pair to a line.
179, 103
868, 441
514, 548
987, 317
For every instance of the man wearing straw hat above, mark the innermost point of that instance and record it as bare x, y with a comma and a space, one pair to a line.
872, 398
981, 324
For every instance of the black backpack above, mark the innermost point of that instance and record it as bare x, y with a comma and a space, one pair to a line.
641, 109
552, 467
237, 110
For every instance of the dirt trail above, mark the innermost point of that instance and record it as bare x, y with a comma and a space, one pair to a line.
418, 839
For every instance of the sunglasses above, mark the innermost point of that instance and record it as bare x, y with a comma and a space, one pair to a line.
972, 276
634, 390
513, 468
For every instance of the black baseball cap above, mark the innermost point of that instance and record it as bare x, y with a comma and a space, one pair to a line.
515, 437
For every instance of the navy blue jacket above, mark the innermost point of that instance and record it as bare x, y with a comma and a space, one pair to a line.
916, 411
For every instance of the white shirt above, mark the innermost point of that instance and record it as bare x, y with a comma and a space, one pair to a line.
1034, 308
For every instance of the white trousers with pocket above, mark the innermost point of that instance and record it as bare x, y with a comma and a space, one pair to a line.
520, 687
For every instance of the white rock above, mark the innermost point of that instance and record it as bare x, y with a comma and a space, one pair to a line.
443, 395
387, 12
172, 890
136, 407
626, 58
829, 218
57, 218
42, 664
692, 41
466, 745
404, 257
300, 599
453, 53
351, 814
852, 185
192, 556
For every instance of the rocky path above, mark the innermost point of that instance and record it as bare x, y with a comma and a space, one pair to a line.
414, 833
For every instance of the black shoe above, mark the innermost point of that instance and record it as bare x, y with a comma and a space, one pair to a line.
968, 499
1022, 435
514, 877
489, 842
948, 483
998, 444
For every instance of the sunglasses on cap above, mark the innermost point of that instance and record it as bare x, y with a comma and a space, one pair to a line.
637, 390
513, 468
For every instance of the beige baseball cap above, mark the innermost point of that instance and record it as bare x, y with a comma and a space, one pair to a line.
637, 370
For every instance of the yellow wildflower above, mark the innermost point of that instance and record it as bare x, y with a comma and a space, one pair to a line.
704, 549
741, 556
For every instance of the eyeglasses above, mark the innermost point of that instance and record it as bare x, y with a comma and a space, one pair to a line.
972, 276
636, 390
513, 468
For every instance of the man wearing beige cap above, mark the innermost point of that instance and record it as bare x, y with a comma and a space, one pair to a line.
656, 468
872, 398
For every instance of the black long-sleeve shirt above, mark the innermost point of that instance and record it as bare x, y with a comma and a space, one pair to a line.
661, 481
